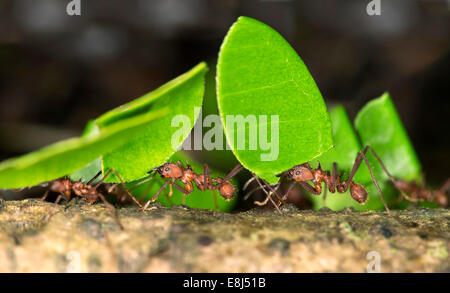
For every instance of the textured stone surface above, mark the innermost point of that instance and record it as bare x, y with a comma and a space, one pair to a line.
185, 240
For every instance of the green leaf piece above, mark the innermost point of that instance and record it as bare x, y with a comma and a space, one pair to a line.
183, 96
88, 172
259, 73
379, 125
344, 153
65, 157
197, 199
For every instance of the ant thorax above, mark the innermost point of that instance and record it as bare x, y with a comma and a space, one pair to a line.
187, 176
320, 176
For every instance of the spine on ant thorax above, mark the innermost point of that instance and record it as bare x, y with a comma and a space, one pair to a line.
324, 176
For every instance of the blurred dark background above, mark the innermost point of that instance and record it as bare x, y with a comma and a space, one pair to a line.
59, 71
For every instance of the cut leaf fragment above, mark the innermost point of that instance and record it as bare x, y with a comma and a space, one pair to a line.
64, 157
261, 78
183, 96
153, 146
379, 125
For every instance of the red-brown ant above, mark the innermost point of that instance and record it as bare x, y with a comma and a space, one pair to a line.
176, 171
417, 192
303, 173
65, 187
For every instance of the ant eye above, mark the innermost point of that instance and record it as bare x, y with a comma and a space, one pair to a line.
297, 173
167, 169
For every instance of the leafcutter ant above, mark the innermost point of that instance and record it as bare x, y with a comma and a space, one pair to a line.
65, 187
303, 173
187, 176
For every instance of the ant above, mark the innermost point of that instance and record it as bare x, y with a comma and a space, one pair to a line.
65, 187
303, 173
176, 171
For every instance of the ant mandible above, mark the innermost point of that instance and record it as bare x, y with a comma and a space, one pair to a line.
176, 171
64, 187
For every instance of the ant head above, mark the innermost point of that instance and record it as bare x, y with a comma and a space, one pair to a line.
300, 173
358, 193
169, 170
226, 190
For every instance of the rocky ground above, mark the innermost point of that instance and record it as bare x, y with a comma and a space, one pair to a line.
85, 238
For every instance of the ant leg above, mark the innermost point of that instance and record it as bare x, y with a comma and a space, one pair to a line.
111, 210
147, 189
52, 211
93, 178
160, 190
206, 177
285, 197
248, 183
269, 197
170, 190
168, 195
121, 181
216, 205
362, 156
359, 158
333, 178
266, 200
273, 191
393, 180
238, 168
332, 187
143, 182
154, 197
375, 182
179, 187
45, 195
381, 162
259, 188
324, 198
183, 190
252, 191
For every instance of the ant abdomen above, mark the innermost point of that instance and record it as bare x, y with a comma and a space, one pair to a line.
358, 193
226, 190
